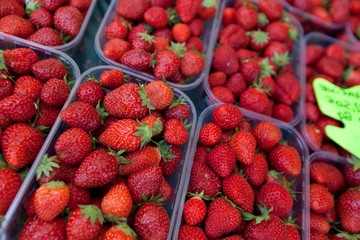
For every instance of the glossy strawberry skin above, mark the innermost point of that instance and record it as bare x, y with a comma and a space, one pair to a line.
227, 117
68, 20
20, 60
348, 209
167, 64
194, 211
327, 175
321, 200
16, 26
202, 178
18, 108
55, 229
222, 160
10, 182
285, 158
49, 68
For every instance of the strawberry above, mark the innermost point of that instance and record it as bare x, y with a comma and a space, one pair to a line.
237, 189
160, 95
329, 66
152, 222
259, 40
138, 59
16, 26
156, 17
210, 134
20, 144
222, 160
171, 157
6, 88
187, 9
312, 112
115, 48
175, 132
97, 169
256, 172
194, 210
287, 89
195, 44
78, 196
321, 200
11, 7
254, 99
272, 9
179, 110
267, 135
313, 53
228, 16
18, 108
236, 84
117, 201
140, 38
192, 64
35, 226
250, 70
132, 10
10, 183
273, 195
112, 79
49, 68
165, 190
217, 79
68, 20
46, 36
319, 224
51, 199
181, 32
225, 60
161, 3
327, 175
314, 135
266, 226
140, 160
73, 145
275, 47
246, 17
160, 43
278, 31
335, 51
202, 178
191, 232
244, 144
41, 18
20, 60
144, 183
120, 231
352, 173
167, 64
222, 218
49, 170
54, 92
30, 208
286, 159
90, 92
81, 115
223, 94
227, 116
51, 5
82, 5
85, 222
116, 29
234, 36
351, 77
353, 59
349, 210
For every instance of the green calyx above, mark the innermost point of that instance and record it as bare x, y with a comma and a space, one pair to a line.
3, 163
293, 32
200, 195
146, 37
281, 60
54, 184
47, 165
114, 219
93, 213
31, 6
266, 69
180, 101
265, 215
347, 72
127, 230
355, 162
291, 221
157, 128
173, 17
262, 19
259, 37
3, 65
145, 98
164, 150
102, 112
258, 84
145, 132
209, 3
178, 49
347, 235
92, 78
157, 199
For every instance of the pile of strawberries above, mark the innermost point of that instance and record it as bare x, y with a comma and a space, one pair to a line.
339, 66
160, 37
327, 12
32, 93
241, 181
354, 8
110, 168
334, 199
251, 64
47, 22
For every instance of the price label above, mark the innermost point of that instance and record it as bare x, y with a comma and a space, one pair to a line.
344, 106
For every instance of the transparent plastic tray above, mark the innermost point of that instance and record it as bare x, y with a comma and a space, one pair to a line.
30, 184
206, 37
293, 139
11, 42
295, 56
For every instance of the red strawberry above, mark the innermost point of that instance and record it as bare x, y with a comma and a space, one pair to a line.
138, 59
191, 232
273, 195
224, 94
81, 115
328, 175
179, 110
287, 89
85, 222
51, 5
170, 159
49, 170
18, 108
120, 231
267, 135
16, 26
10, 183
227, 116
353, 59
181, 32
329, 66
222, 218
247, 17
312, 112
283, 112
319, 224
68, 20
41, 18
352, 173
275, 47
160, 95
349, 210
272, 9
175, 132
250, 70
165, 190
156, 17
194, 210
152, 222
237, 189
278, 31
228, 16
51, 199
20, 60
73, 145
11, 7
97, 169
132, 10
116, 29
78, 196
144, 183
112, 79
225, 60
115, 48
90, 92
192, 64
321, 200
20, 144
187, 9
256, 172
202, 178
82, 5
351, 77
259, 40
46, 36
160, 43
195, 44
167, 64
140, 160
314, 135
210, 134
117, 201
35, 226
335, 51
222, 160
6, 88
236, 84
286, 159
162, 3
49, 68
254, 99
55, 92
313, 53
139, 38
234, 36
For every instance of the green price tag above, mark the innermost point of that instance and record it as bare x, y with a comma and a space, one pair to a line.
344, 106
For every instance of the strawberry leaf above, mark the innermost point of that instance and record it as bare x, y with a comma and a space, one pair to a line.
209, 3
164, 150
127, 230
178, 48
145, 98
93, 213
355, 162
31, 6
114, 219
3, 65
146, 37
145, 132
46, 166
173, 17
262, 19
266, 69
